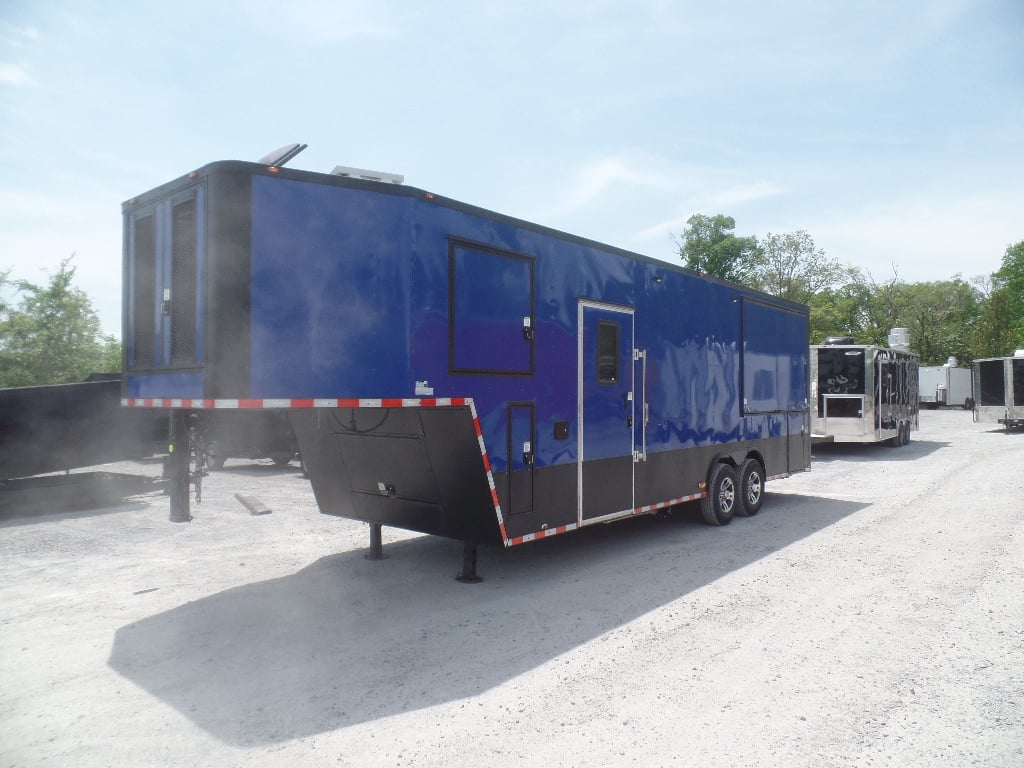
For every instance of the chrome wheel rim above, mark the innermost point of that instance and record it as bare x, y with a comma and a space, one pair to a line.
727, 495
754, 488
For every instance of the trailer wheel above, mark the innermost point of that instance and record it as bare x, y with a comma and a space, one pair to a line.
896, 440
900, 436
719, 506
214, 459
751, 482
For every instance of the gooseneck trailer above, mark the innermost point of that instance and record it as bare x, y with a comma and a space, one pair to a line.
451, 370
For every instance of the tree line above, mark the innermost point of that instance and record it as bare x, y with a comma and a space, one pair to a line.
50, 332
966, 319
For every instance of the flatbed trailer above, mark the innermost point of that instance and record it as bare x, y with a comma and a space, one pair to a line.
452, 370
60, 427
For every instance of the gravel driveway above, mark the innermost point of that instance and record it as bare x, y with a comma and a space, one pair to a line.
872, 614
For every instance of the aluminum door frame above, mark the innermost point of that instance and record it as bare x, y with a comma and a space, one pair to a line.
630, 313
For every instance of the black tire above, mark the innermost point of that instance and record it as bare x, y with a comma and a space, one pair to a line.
897, 440
719, 506
751, 485
969, 404
214, 459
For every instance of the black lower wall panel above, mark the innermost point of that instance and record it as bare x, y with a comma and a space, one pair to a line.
415, 468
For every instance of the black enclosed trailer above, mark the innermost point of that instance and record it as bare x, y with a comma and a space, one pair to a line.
999, 387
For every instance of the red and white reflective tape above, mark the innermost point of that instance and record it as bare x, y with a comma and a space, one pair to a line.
395, 402
258, 403
383, 402
542, 534
644, 510
670, 503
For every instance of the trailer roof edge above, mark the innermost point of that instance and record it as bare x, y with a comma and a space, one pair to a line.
243, 166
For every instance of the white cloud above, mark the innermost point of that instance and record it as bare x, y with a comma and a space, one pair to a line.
17, 37
925, 242
314, 22
14, 74
710, 203
599, 177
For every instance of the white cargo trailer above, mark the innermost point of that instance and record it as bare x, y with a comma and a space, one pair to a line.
946, 385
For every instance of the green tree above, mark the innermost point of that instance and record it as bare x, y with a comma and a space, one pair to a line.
1010, 278
709, 246
841, 309
1000, 325
51, 333
941, 317
793, 268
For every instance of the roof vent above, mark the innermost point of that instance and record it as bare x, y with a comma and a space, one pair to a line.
362, 173
899, 339
833, 341
282, 155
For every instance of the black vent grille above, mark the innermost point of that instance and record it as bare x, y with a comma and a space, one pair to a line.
144, 292
183, 284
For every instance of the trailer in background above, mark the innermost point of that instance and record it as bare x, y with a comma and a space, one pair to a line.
999, 384
451, 370
863, 393
60, 427
946, 385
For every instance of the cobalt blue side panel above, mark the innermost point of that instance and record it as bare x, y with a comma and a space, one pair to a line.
690, 329
492, 313
774, 359
330, 294
164, 385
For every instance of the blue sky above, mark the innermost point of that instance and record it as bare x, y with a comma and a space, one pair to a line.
892, 132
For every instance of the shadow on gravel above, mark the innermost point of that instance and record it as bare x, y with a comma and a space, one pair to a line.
348, 640
916, 449
1005, 431
81, 494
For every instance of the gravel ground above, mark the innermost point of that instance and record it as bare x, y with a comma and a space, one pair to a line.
872, 614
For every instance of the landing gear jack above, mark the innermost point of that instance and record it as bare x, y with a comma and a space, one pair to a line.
186, 464
468, 575
376, 550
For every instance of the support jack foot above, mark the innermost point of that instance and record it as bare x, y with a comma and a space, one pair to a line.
376, 551
468, 575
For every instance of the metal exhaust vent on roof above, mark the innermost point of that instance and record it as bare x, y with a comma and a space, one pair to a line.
362, 173
282, 155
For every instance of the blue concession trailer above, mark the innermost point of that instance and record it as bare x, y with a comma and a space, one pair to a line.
451, 370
